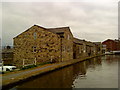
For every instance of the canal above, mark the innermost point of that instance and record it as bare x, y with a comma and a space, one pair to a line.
99, 72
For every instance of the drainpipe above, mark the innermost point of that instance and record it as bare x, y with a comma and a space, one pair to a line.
61, 48
23, 62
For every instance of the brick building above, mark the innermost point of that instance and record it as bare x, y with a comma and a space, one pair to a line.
117, 44
37, 45
112, 45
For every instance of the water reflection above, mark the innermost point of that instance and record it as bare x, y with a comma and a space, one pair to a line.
79, 69
102, 72
81, 75
112, 58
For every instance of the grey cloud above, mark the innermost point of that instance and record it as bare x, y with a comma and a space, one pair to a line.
86, 20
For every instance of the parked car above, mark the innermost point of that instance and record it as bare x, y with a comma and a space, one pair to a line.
7, 68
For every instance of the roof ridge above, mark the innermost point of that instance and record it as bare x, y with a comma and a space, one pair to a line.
39, 26
57, 28
53, 27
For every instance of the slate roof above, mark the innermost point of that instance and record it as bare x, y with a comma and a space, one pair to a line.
53, 30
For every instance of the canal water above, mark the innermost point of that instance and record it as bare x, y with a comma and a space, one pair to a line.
99, 72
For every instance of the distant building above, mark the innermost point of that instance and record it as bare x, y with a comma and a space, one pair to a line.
7, 55
82, 48
100, 48
79, 48
112, 45
117, 44
104, 48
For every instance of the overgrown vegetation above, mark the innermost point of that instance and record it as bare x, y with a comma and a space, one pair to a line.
32, 66
26, 67
44, 63
8, 64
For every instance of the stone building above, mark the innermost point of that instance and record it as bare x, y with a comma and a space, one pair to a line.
66, 40
79, 48
99, 48
38, 44
82, 48
90, 49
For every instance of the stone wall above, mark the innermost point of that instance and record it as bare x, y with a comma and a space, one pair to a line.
39, 45
79, 48
36, 45
82, 49
67, 46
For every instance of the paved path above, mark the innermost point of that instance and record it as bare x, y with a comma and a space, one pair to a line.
15, 75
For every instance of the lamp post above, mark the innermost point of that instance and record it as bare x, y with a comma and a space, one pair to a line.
61, 49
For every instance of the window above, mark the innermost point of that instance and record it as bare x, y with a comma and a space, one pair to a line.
79, 49
63, 48
35, 35
68, 37
34, 48
61, 34
68, 49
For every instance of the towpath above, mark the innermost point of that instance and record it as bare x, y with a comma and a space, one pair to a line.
13, 77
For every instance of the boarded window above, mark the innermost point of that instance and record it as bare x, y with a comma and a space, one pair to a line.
68, 37
79, 49
35, 35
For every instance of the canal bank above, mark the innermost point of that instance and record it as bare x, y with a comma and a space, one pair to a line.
9, 80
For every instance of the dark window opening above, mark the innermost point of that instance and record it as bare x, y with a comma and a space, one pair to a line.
74, 56
61, 34
34, 48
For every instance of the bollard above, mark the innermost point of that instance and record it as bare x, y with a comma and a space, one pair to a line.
35, 61
23, 63
51, 60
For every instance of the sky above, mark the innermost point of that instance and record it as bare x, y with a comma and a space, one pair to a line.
92, 20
